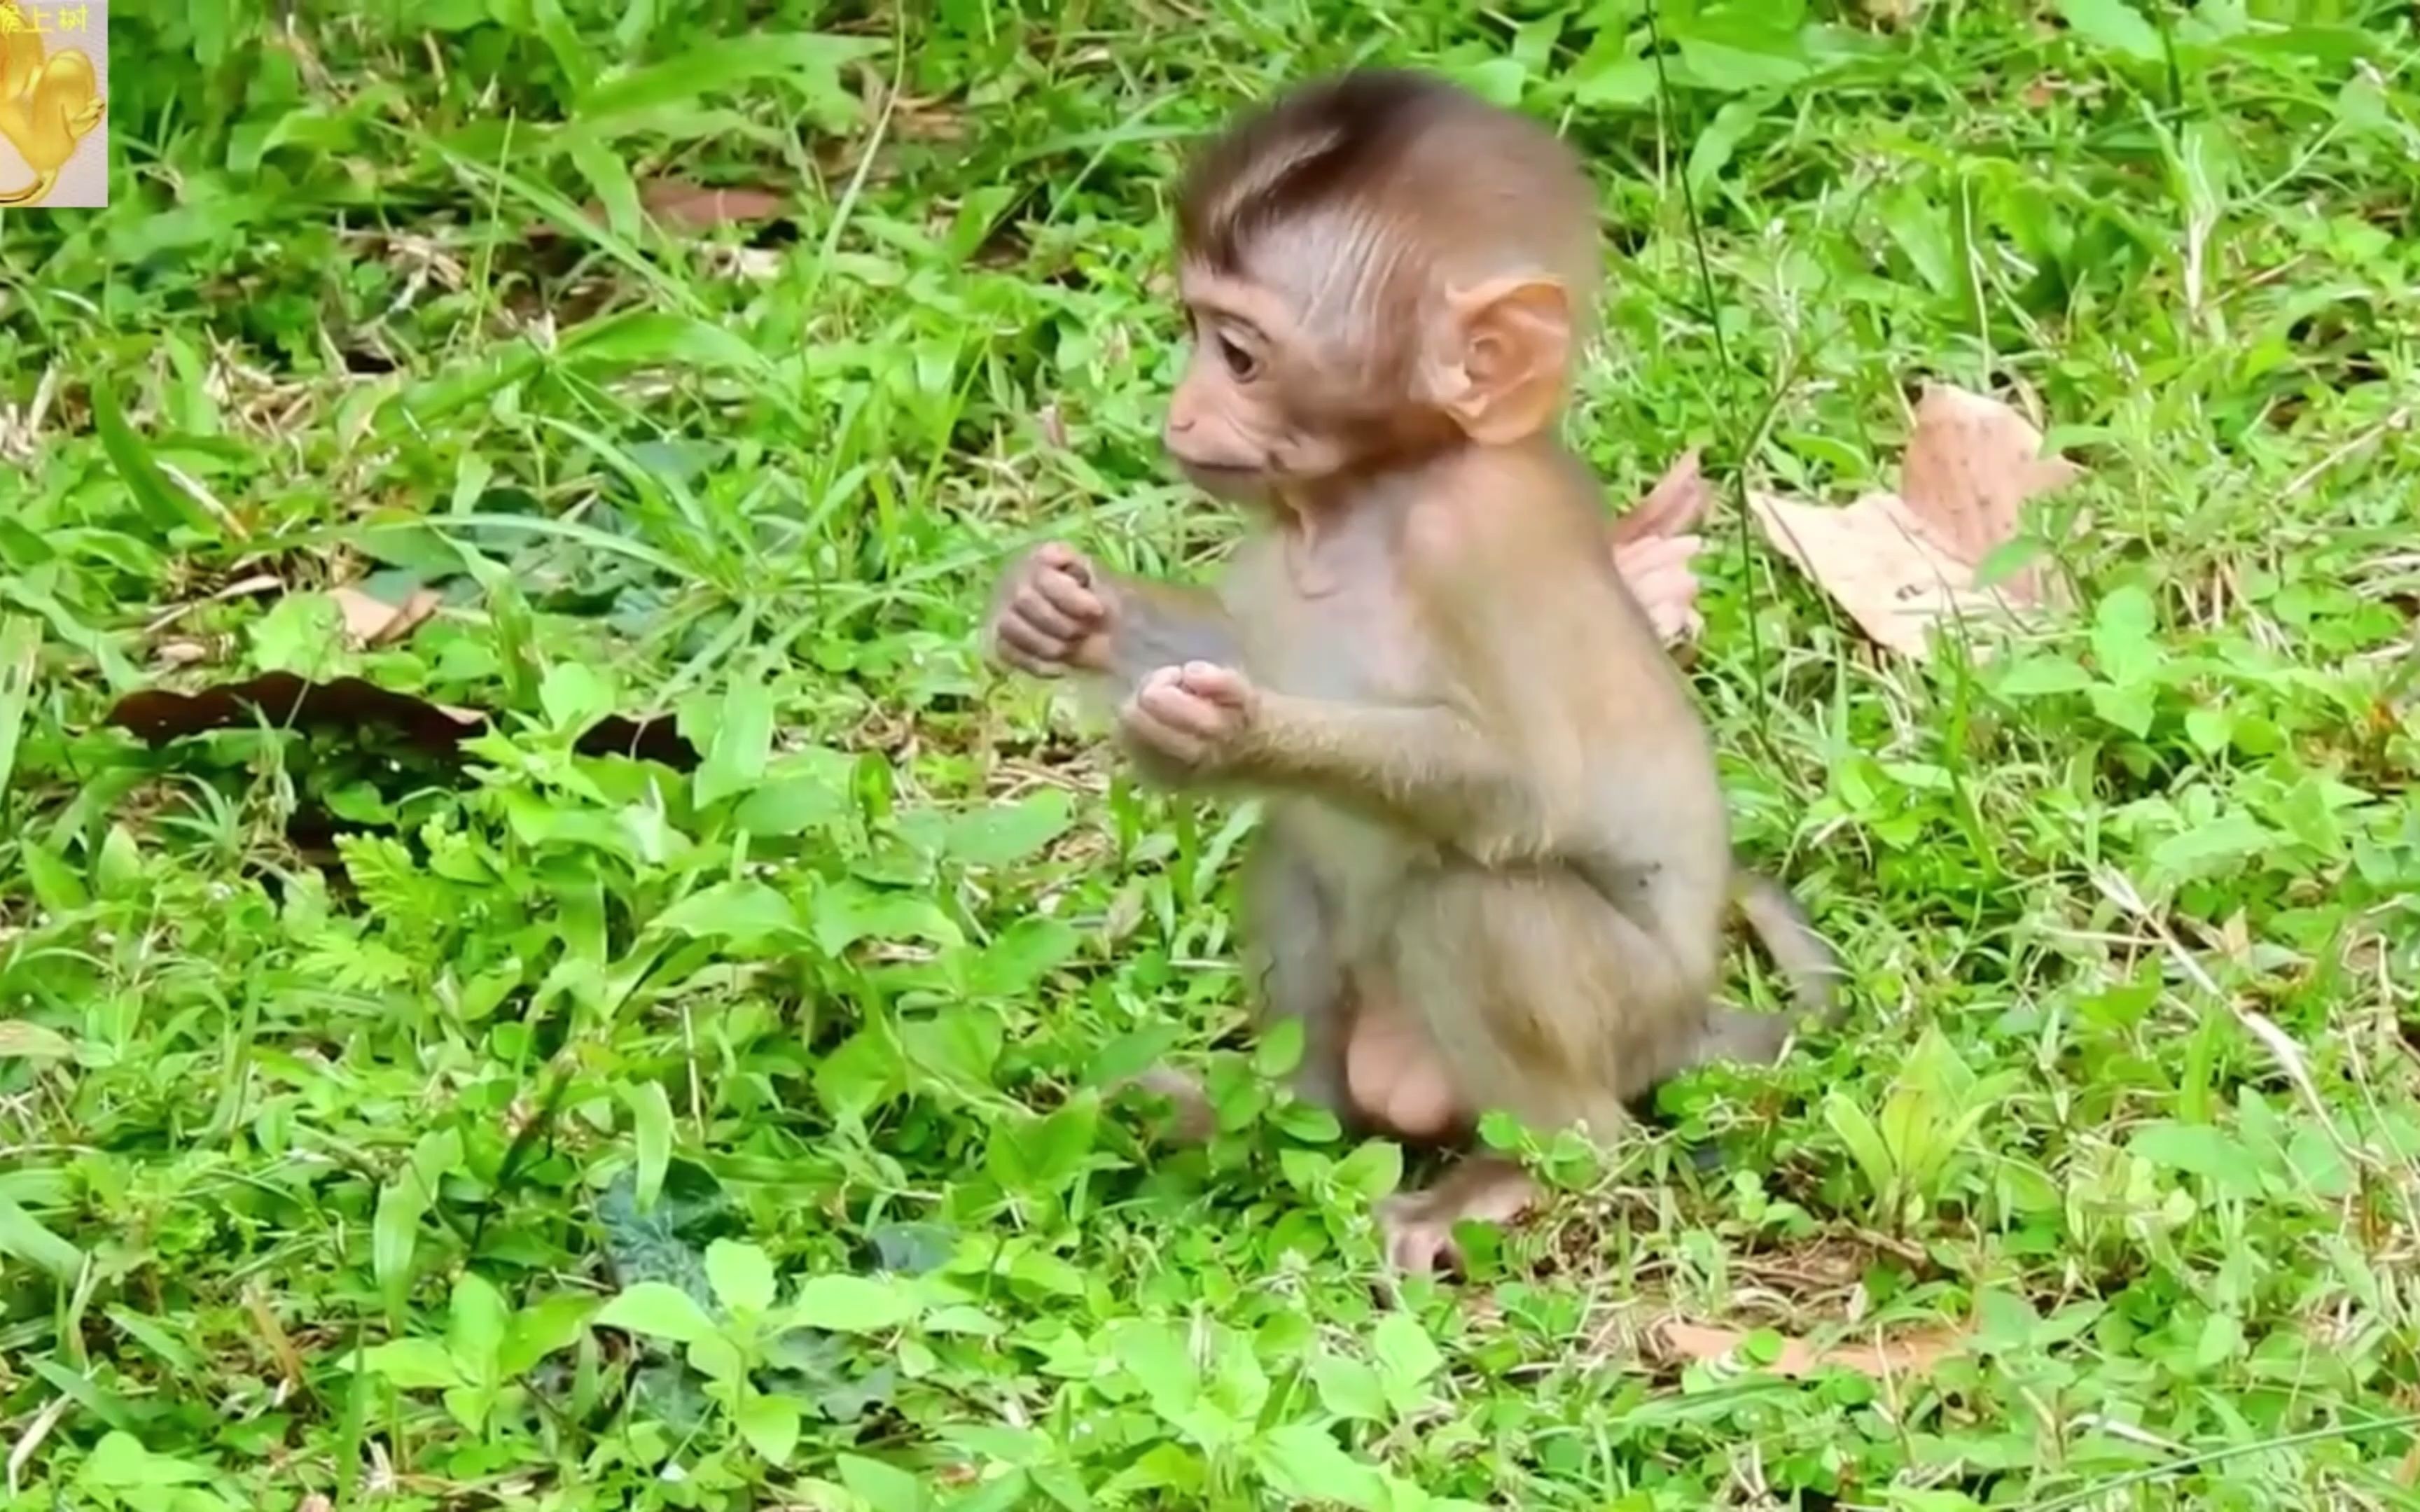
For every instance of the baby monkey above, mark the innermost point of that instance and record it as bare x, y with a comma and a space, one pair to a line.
1496, 866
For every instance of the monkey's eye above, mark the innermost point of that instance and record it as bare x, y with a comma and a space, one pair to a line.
1242, 363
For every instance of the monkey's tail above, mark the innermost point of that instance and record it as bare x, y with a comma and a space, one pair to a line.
1789, 937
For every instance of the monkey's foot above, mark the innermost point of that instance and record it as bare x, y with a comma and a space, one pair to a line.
1192, 1120
1419, 1226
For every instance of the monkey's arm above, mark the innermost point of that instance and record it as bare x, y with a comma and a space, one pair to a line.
1427, 766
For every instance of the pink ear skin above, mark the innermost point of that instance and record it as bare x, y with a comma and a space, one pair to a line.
1514, 337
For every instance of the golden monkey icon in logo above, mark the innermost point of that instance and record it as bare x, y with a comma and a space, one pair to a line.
48, 103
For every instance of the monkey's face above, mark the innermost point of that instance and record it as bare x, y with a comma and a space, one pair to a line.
1246, 415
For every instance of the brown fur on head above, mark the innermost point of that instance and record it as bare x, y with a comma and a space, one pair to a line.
1378, 266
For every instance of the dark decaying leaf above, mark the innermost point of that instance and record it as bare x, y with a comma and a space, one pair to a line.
158, 716
284, 700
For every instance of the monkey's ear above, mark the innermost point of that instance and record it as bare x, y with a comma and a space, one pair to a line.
1514, 340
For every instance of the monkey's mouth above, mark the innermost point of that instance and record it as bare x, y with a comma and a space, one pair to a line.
1225, 480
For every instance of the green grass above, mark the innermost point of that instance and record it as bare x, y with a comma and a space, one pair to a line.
343, 1083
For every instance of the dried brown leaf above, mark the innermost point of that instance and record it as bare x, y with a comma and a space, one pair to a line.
372, 622
681, 206
1903, 563
1970, 466
1909, 1354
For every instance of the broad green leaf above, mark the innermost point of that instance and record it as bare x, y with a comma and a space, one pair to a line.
657, 339
1407, 1357
2318, 1164
1023, 954
741, 1274
1350, 1388
1721, 139
163, 504
791, 805
959, 1048
852, 1303
23, 1235
608, 176
1280, 1050
2035, 677
2113, 26
850, 910
651, 1131
395, 1233
2197, 1148
883, 1487
21, 1041
742, 742
413, 1365
998, 834
746, 913
1304, 1461
1044, 1155
1157, 1355
1374, 1169
1621, 83
769, 1424
1856, 1129
859, 1074
2125, 635
810, 61
717, 1358
657, 1310
120, 1461
543, 1327
574, 696
2234, 836
2210, 728
475, 1324
21, 647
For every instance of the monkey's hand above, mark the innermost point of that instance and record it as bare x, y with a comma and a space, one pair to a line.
1049, 618
1659, 570
1199, 714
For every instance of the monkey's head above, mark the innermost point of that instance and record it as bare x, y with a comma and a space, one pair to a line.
1376, 268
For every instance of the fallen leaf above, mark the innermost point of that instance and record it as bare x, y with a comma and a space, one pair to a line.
1903, 563
372, 622
681, 206
156, 716
1909, 1354
1970, 466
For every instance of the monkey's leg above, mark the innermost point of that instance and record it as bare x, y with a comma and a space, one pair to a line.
1397, 1082
1419, 1226
1292, 959
1548, 1002
1290, 935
